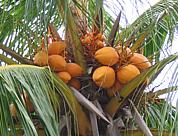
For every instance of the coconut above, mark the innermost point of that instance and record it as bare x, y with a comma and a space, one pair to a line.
41, 58
140, 61
56, 48
57, 62
107, 56
74, 69
127, 73
104, 76
13, 111
75, 83
64, 76
114, 89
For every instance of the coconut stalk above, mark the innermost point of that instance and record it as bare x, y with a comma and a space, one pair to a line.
79, 18
65, 12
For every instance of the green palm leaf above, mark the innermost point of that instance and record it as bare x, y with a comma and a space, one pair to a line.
37, 83
160, 21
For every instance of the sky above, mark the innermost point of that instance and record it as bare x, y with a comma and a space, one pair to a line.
131, 9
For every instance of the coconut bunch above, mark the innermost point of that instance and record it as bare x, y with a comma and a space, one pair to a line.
117, 66
112, 67
55, 58
91, 42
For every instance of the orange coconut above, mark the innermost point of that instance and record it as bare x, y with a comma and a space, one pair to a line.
64, 76
74, 69
140, 61
75, 83
104, 76
41, 58
127, 73
56, 48
107, 56
57, 62
112, 91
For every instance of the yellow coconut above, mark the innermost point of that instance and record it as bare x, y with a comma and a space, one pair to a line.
74, 69
127, 73
75, 83
140, 61
104, 77
57, 62
64, 76
114, 89
41, 58
56, 48
107, 56
13, 111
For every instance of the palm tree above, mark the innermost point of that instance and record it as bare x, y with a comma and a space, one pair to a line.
35, 101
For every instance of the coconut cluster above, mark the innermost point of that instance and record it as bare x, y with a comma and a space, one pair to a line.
55, 58
118, 67
92, 42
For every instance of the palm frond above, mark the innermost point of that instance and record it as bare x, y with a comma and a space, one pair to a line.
41, 88
23, 24
163, 18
